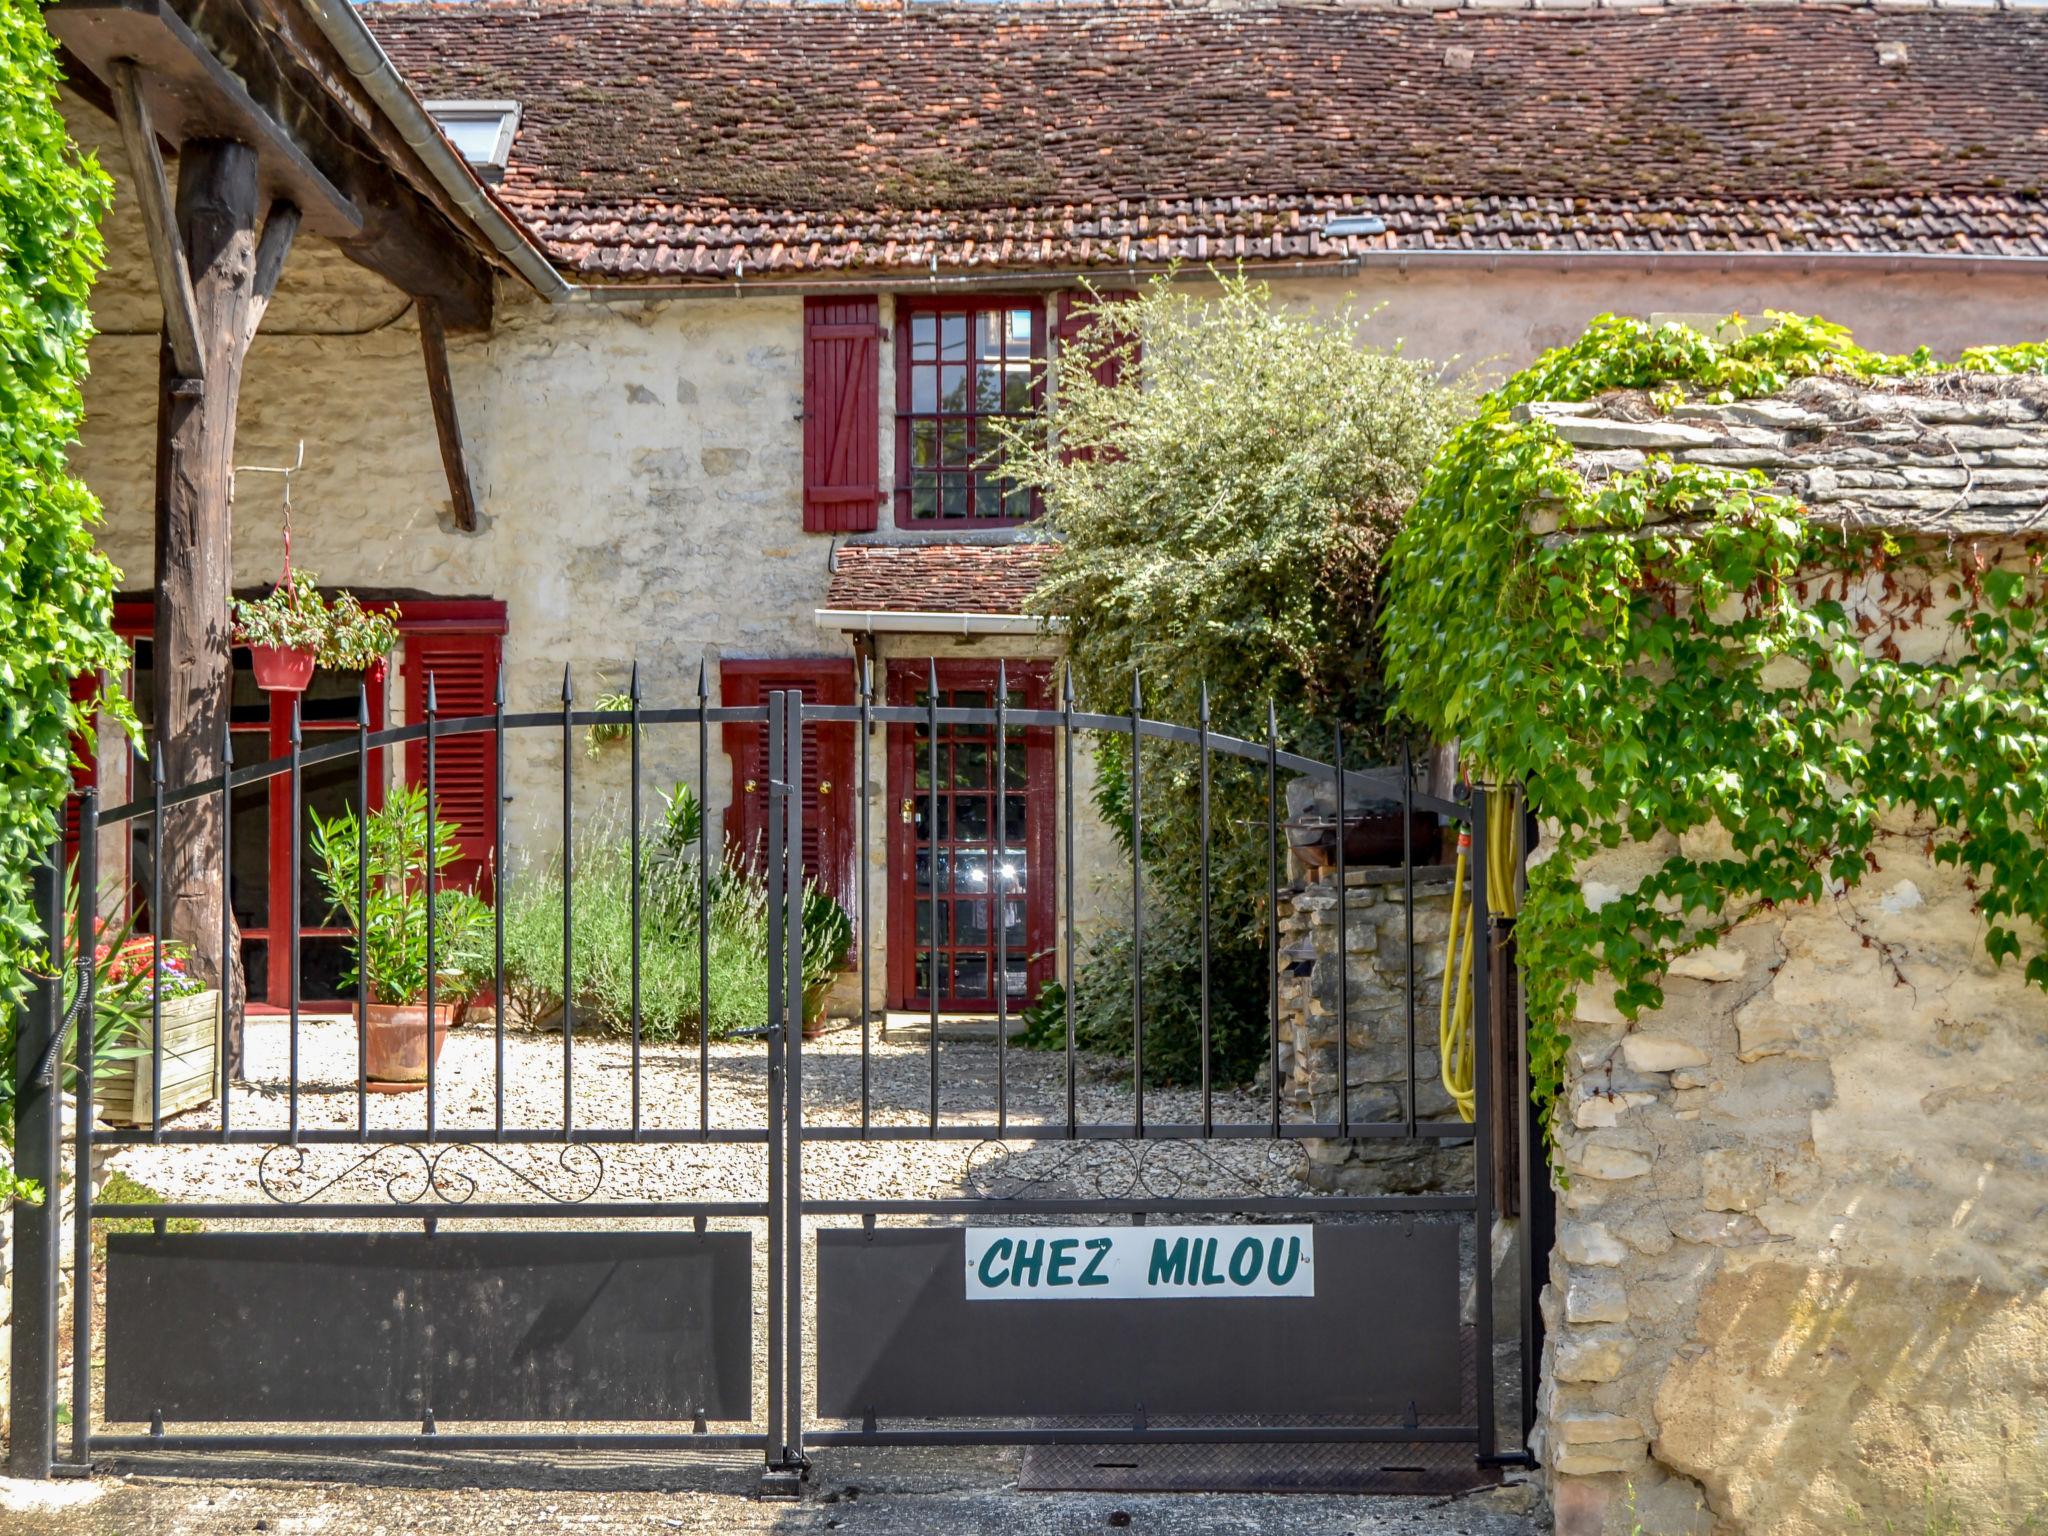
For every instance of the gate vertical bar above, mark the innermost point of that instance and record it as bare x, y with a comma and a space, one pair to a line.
704, 899
778, 901
793, 1106
931, 746
568, 907
362, 912
33, 1384
429, 873
296, 815
1137, 911
498, 897
633, 798
1343, 945
1408, 911
81, 1129
998, 874
1067, 803
226, 1055
1208, 1089
862, 954
1273, 904
1482, 1132
156, 956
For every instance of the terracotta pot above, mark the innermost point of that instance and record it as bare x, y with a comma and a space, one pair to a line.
815, 996
396, 1044
281, 668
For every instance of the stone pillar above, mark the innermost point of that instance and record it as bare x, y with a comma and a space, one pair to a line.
1376, 952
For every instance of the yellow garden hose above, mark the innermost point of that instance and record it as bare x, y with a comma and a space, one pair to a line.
1454, 1010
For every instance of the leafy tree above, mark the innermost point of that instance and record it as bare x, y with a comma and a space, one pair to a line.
56, 590
1226, 475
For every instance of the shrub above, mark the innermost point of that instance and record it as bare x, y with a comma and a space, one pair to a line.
671, 922
1173, 1002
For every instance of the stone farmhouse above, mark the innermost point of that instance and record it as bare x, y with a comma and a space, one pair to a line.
715, 299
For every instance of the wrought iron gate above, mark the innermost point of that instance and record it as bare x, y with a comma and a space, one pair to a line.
566, 1317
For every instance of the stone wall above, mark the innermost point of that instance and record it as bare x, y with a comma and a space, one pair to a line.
1801, 1283
1376, 959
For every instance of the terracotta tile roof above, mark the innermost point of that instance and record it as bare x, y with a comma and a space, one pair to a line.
935, 578
674, 140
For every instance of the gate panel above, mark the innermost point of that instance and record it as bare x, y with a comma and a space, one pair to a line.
500, 1326
899, 1336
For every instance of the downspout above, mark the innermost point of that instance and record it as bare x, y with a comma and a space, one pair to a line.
366, 60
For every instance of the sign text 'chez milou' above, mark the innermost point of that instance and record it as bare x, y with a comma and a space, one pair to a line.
1136, 1263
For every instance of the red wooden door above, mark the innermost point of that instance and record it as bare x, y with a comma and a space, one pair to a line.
829, 790
984, 848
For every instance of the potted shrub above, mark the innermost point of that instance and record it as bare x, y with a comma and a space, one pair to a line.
132, 989
828, 938
294, 629
390, 943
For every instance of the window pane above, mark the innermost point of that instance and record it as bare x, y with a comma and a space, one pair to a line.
953, 388
970, 976
1020, 330
970, 818
953, 444
953, 337
1017, 503
988, 495
924, 390
988, 387
988, 334
1017, 388
924, 444
970, 869
924, 335
924, 494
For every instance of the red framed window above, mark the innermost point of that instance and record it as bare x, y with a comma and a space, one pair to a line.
459, 641
962, 365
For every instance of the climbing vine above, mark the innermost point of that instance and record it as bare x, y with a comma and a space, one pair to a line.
1687, 653
56, 590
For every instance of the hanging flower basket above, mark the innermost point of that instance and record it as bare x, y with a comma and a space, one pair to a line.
282, 668
295, 629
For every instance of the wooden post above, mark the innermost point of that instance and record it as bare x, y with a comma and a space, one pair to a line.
192, 677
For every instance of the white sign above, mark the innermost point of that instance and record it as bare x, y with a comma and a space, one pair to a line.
1126, 1263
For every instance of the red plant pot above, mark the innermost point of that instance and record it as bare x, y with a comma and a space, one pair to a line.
281, 668
397, 1041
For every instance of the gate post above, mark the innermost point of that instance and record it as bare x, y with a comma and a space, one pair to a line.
33, 1389
793, 1458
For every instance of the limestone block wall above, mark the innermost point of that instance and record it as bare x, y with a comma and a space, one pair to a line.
1801, 1278
1375, 955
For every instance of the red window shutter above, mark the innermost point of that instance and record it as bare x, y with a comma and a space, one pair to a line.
1078, 313
464, 668
829, 791
842, 414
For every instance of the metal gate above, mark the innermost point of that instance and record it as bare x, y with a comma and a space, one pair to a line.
1106, 1261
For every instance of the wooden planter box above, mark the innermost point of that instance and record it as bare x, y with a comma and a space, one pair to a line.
121, 1089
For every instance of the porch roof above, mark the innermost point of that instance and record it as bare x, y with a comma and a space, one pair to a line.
675, 141
986, 580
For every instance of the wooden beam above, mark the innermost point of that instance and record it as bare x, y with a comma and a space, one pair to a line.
279, 226
447, 426
166, 251
218, 195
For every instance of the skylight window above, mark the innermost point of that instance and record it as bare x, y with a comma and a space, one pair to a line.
481, 132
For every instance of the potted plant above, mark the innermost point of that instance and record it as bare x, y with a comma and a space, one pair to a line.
284, 632
390, 943
294, 629
828, 938
136, 984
